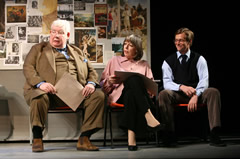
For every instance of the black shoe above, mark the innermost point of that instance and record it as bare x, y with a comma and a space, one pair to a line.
132, 148
215, 140
159, 127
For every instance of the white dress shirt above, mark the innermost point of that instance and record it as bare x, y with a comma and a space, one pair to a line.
202, 69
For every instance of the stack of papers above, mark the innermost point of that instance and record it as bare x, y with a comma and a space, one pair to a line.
149, 84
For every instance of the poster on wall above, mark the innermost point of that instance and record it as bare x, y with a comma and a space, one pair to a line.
16, 14
11, 32
102, 32
79, 5
99, 54
2, 49
2, 18
100, 11
2, 45
22, 33
117, 45
3, 54
84, 20
12, 61
65, 11
85, 39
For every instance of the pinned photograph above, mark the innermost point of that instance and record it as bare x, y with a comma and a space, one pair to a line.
12, 60
85, 39
2, 45
100, 11
84, 20
22, 33
16, 14
33, 38
11, 32
100, 53
35, 21
102, 32
117, 45
65, 12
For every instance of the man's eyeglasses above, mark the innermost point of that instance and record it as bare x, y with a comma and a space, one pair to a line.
54, 32
179, 40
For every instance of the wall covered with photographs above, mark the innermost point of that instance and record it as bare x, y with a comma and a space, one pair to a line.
98, 27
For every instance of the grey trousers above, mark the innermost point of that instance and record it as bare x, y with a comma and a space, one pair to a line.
168, 98
93, 105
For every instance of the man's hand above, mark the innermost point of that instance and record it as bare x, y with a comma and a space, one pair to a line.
189, 91
48, 88
88, 90
192, 104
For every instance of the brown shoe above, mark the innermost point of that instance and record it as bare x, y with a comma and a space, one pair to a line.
37, 145
84, 144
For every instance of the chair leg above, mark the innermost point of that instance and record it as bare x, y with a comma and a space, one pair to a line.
157, 117
157, 140
30, 133
205, 128
147, 138
111, 135
105, 127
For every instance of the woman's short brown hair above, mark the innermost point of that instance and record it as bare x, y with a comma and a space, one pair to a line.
137, 42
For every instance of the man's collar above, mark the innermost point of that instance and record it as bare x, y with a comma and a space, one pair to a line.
62, 49
188, 53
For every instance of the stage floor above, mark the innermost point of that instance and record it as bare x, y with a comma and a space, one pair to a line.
67, 150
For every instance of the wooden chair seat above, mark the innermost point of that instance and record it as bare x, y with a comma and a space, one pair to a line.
185, 105
64, 109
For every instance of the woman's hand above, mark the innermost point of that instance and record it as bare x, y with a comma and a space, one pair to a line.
150, 94
113, 79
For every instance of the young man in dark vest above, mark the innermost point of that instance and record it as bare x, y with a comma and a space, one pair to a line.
185, 80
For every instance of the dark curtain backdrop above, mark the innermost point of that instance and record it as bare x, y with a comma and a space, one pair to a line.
216, 27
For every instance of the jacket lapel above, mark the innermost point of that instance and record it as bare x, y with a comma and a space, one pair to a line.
77, 58
50, 56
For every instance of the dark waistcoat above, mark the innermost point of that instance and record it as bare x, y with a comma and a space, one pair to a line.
184, 74
63, 65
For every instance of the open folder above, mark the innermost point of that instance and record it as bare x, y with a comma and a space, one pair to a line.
150, 85
69, 90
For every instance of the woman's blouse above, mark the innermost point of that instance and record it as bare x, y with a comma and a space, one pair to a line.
120, 63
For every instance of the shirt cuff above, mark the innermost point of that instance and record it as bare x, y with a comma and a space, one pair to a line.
90, 82
39, 84
198, 93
